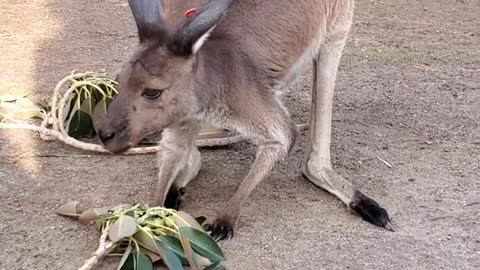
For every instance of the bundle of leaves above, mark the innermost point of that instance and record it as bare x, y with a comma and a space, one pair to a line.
144, 235
19, 108
87, 107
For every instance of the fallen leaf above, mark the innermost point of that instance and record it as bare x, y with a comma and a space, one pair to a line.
91, 215
69, 209
9, 98
19, 109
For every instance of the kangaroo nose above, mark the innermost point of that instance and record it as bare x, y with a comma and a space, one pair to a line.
106, 136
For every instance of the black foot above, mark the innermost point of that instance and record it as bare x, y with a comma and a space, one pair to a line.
175, 197
370, 211
220, 230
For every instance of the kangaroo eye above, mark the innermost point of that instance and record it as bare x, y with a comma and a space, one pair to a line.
151, 93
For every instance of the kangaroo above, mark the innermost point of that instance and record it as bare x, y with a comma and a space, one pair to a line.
225, 64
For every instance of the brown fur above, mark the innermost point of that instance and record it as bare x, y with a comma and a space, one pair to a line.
254, 52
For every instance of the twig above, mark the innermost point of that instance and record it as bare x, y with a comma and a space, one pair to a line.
17, 158
472, 203
389, 97
102, 251
441, 217
385, 162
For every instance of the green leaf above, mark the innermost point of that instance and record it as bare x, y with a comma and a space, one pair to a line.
81, 125
129, 263
99, 112
216, 266
27, 110
125, 256
154, 257
87, 104
170, 258
183, 219
98, 95
174, 244
146, 240
187, 248
203, 244
68, 108
137, 261
10, 98
69, 209
71, 107
125, 226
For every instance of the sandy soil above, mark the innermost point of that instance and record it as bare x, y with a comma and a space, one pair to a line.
408, 92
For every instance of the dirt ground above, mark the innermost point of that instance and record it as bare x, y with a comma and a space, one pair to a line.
408, 92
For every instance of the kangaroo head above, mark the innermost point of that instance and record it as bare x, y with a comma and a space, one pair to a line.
157, 84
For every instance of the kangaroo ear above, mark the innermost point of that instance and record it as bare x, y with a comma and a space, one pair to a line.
193, 33
150, 19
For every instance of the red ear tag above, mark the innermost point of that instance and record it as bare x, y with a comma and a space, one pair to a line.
189, 13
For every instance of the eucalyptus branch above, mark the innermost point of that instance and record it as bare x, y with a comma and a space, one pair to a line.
146, 235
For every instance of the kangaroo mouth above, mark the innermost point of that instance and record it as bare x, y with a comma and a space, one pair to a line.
118, 145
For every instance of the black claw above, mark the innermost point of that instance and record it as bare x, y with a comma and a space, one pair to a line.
219, 230
175, 198
389, 227
371, 211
